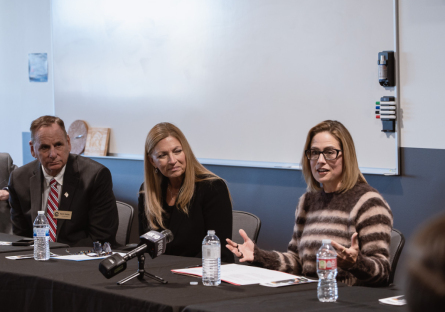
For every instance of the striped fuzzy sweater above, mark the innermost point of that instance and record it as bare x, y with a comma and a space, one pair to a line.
334, 216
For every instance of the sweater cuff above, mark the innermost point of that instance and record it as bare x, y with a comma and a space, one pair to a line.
356, 264
265, 259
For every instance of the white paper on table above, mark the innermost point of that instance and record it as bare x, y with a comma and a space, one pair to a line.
83, 257
30, 256
397, 300
293, 281
242, 274
67, 257
20, 257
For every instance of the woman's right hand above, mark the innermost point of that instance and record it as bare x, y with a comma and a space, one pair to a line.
243, 251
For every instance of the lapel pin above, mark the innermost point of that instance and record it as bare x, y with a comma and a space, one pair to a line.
66, 194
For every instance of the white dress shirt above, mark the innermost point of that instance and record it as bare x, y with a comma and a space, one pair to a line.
47, 186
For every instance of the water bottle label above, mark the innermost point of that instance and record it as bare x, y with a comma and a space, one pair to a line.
327, 264
209, 252
41, 232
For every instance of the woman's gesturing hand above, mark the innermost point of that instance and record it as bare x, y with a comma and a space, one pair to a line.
346, 257
243, 251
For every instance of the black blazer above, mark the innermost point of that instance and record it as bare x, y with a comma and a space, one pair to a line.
209, 209
90, 197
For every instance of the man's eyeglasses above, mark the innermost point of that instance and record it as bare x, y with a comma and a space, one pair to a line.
329, 154
97, 251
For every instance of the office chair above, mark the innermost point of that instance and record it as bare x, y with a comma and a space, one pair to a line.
125, 212
250, 223
395, 249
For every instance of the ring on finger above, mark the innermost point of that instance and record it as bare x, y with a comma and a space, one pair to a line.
242, 256
344, 249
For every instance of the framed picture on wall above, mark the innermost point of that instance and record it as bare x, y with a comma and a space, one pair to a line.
38, 67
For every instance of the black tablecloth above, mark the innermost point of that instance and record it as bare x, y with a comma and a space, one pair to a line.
61, 285
350, 299
13, 238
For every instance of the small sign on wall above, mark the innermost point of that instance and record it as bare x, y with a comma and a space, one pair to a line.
38, 67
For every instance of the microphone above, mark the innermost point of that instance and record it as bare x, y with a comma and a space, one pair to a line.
153, 242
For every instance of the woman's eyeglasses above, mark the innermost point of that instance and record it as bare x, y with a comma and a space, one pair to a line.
329, 154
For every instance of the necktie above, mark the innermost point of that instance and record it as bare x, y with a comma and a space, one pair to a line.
52, 207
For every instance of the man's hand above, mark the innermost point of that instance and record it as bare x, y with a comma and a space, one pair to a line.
4, 195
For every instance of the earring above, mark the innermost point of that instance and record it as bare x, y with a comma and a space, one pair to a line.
156, 170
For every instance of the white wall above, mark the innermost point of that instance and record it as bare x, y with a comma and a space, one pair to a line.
25, 27
422, 73
256, 75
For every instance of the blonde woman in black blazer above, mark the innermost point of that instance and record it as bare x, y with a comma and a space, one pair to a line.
181, 195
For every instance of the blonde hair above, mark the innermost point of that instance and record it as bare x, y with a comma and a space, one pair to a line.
194, 172
351, 173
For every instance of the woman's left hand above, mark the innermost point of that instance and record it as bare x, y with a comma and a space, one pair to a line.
346, 257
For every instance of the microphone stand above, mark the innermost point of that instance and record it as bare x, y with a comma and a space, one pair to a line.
140, 273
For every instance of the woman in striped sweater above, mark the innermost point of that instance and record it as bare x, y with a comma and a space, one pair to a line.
338, 205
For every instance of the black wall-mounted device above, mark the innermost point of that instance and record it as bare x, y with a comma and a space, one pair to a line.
386, 63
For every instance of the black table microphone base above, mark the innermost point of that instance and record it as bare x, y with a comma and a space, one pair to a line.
141, 273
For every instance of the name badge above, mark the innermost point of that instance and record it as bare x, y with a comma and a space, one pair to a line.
60, 214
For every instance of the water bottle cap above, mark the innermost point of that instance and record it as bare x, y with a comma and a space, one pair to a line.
326, 241
40, 212
211, 232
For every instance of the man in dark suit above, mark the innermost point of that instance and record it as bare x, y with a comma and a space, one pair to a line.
75, 192
6, 167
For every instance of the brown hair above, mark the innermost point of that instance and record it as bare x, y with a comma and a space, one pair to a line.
194, 172
45, 121
351, 173
426, 267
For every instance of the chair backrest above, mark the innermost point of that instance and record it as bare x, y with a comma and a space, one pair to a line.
395, 249
250, 223
5, 218
125, 212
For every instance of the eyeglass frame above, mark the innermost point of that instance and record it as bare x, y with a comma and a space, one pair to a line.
96, 252
89, 253
322, 152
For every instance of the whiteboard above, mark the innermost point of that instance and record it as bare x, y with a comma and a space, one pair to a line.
243, 79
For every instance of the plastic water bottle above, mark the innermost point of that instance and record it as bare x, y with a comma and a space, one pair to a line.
327, 271
41, 237
211, 260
